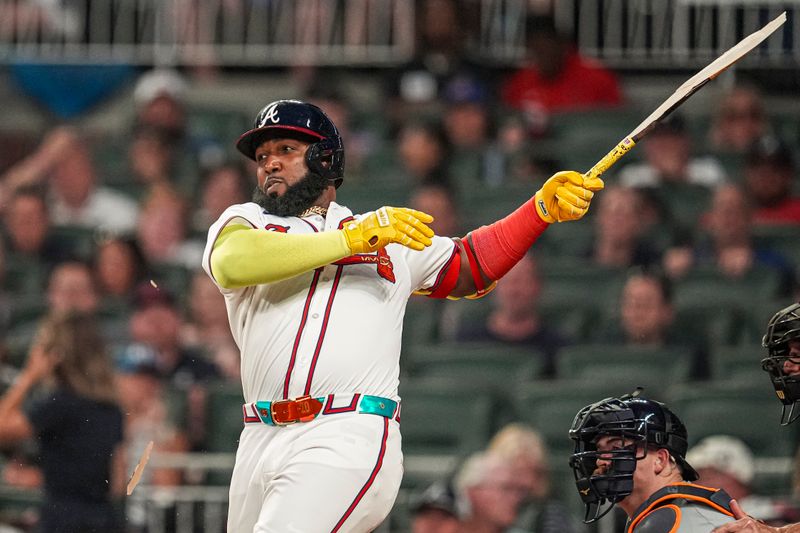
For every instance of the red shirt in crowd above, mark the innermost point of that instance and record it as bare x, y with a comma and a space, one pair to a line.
583, 83
787, 212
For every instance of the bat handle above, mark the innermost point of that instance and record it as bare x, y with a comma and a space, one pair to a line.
610, 158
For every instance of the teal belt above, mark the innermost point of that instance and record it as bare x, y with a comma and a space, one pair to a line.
264, 411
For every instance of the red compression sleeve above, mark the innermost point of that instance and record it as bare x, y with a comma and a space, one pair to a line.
501, 245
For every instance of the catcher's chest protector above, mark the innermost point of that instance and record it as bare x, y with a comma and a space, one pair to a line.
682, 507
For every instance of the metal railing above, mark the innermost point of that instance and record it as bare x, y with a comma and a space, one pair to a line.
650, 34
201, 32
637, 34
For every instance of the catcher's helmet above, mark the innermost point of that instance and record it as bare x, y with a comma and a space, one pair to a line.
783, 327
638, 422
304, 121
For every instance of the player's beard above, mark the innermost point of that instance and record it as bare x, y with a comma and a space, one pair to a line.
296, 199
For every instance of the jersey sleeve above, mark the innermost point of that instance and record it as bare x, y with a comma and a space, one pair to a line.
246, 214
428, 267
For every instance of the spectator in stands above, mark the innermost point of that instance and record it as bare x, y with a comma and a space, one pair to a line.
434, 511
769, 174
523, 448
141, 393
152, 155
668, 159
557, 78
156, 322
28, 229
439, 201
488, 494
118, 267
63, 164
77, 424
207, 329
422, 153
160, 100
727, 462
727, 243
514, 318
467, 127
222, 186
162, 230
672, 175
416, 88
619, 229
72, 288
739, 120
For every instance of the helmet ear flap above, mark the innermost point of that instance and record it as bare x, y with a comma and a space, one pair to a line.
326, 158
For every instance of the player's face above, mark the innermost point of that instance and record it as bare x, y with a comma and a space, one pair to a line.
281, 164
791, 366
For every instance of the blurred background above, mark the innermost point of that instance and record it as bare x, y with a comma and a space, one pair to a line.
118, 120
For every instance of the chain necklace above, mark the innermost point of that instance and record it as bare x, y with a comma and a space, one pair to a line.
315, 210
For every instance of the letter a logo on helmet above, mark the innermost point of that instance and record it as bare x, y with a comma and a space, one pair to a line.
293, 119
271, 114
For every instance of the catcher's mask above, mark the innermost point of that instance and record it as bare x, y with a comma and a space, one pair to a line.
638, 423
782, 328
306, 122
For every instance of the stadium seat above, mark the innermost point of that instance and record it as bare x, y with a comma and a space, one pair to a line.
741, 362
445, 417
496, 364
744, 409
224, 418
623, 365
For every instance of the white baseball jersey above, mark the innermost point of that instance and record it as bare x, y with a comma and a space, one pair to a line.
336, 329
333, 331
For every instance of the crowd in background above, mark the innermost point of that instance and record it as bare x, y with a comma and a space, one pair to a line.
114, 228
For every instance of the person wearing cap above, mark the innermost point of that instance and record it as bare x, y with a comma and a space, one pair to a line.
630, 452
434, 511
769, 173
160, 99
141, 393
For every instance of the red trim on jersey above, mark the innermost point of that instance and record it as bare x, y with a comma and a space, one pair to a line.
324, 328
329, 410
210, 271
310, 224
248, 418
448, 275
370, 481
303, 320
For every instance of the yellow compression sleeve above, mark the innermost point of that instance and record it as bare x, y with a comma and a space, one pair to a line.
243, 256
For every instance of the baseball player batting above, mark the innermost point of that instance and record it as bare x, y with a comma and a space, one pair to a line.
315, 297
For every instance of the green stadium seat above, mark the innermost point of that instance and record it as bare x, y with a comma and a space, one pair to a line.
740, 363
495, 364
446, 417
624, 366
744, 409
224, 418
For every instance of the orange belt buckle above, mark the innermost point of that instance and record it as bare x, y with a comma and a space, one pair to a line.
302, 409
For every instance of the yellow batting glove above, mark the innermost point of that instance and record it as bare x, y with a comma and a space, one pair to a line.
387, 225
565, 196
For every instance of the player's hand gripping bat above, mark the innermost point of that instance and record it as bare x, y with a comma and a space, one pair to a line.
689, 87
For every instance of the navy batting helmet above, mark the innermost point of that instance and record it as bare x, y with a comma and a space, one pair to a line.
304, 121
783, 327
638, 423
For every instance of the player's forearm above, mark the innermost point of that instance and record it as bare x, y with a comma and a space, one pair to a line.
243, 257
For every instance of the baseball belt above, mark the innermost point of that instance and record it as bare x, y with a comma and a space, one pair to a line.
307, 408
